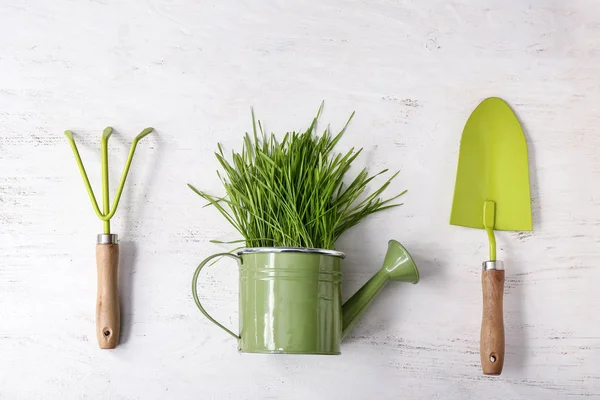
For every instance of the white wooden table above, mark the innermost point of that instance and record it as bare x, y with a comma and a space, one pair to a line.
413, 71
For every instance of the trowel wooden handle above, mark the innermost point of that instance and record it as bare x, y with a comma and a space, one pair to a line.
108, 324
492, 324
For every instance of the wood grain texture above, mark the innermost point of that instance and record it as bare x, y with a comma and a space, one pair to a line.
491, 343
413, 71
108, 315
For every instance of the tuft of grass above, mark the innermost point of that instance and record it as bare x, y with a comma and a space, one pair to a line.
291, 193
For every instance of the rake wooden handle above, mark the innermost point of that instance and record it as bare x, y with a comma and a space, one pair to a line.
492, 324
108, 324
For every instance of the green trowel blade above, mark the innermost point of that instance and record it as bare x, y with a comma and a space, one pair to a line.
492, 166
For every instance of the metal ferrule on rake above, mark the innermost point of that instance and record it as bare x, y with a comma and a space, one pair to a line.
108, 211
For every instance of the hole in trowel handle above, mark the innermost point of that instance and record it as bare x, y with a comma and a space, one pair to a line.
492, 358
107, 332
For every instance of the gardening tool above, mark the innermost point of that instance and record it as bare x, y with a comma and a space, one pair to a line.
492, 193
291, 301
108, 323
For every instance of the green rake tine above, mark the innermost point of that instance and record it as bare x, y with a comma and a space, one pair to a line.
104, 156
139, 137
86, 181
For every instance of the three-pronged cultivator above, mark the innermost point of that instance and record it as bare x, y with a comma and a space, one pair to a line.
108, 324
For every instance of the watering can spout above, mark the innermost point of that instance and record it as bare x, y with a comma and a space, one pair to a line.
398, 265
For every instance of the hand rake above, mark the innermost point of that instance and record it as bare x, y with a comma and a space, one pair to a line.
108, 323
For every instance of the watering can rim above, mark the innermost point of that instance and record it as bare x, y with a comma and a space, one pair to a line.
305, 250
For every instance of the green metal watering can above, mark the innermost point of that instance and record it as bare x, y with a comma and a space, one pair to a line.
291, 299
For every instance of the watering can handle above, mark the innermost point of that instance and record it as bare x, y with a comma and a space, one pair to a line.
195, 289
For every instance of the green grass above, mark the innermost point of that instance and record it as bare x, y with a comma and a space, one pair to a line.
291, 193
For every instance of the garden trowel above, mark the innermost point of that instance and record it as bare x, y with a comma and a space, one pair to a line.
492, 193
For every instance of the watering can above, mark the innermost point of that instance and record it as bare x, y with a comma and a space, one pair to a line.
291, 299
